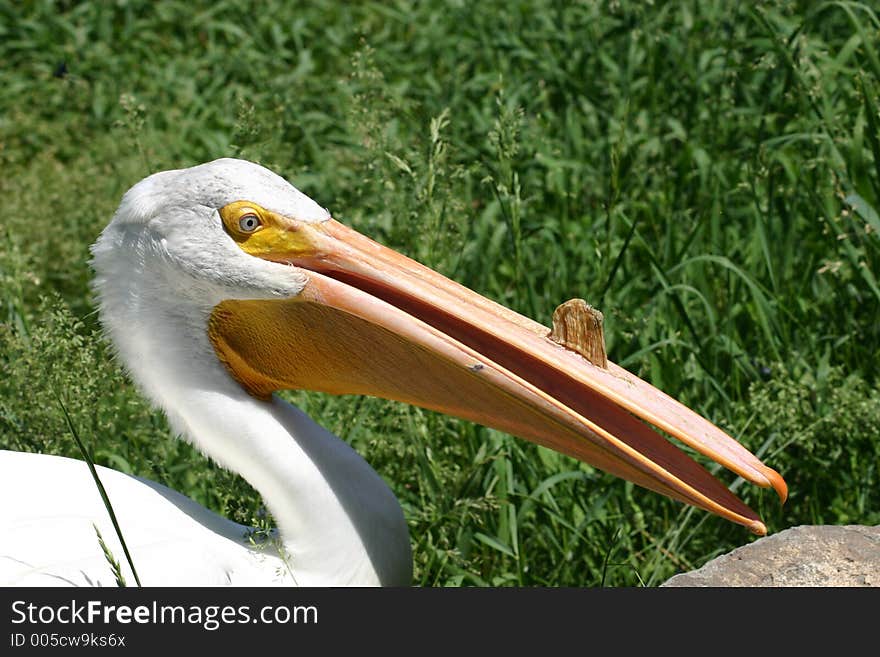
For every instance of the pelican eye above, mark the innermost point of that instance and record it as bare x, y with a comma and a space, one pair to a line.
244, 221
248, 223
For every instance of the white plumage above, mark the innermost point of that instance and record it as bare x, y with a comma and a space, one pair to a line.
162, 264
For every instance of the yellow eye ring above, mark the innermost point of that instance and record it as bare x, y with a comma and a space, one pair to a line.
242, 219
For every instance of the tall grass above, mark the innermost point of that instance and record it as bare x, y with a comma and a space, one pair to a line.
707, 175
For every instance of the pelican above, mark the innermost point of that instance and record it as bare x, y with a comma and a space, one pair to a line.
219, 285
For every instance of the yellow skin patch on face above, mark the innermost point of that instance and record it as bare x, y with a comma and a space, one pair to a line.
268, 235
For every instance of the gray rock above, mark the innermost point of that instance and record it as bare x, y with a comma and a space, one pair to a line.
819, 555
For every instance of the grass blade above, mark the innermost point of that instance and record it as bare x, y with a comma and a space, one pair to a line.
100, 486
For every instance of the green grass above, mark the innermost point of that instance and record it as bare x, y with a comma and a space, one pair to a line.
706, 175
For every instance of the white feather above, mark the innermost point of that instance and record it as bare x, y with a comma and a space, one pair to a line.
162, 264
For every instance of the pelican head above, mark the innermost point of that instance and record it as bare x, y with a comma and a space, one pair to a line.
226, 280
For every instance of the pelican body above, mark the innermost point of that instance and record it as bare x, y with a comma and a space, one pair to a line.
219, 285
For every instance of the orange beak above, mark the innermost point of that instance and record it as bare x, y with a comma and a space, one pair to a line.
371, 321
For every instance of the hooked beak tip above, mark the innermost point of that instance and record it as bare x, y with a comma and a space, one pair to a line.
778, 483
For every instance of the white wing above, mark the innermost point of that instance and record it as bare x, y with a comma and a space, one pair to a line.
49, 504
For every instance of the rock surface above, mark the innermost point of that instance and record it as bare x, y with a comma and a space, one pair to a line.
818, 555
